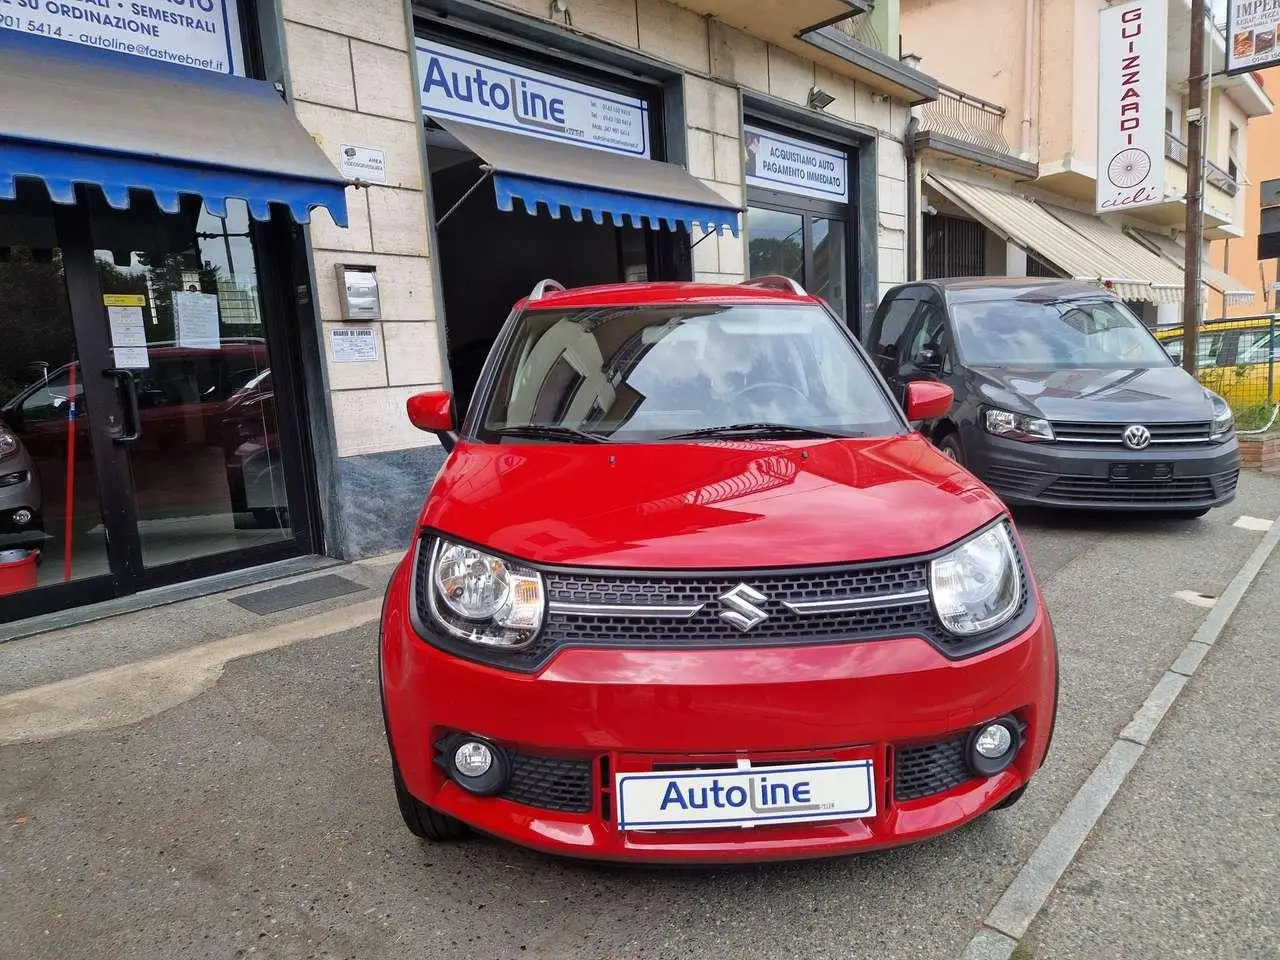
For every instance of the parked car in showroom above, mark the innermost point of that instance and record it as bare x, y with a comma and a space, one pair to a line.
689, 588
1062, 397
20, 494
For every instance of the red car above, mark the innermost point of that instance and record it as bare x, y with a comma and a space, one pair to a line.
691, 588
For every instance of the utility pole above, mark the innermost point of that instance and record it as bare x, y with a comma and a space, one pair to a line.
1195, 184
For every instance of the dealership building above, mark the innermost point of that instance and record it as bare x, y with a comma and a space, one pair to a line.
236, 237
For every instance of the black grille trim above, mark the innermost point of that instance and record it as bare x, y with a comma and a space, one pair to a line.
705, 630
550, 783
1191, 434
930, 769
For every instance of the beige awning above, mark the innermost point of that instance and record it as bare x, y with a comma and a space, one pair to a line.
1166, 279
1170, 249
1093, 256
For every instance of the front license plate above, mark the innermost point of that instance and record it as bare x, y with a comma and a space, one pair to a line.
743, 797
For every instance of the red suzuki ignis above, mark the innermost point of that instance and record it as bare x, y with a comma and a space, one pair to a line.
689, 587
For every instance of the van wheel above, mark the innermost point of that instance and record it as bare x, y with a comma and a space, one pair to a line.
1188, 514
423, 821
950, 447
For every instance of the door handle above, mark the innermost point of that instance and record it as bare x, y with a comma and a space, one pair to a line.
129, 389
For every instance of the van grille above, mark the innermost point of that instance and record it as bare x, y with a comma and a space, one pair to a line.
1162, 434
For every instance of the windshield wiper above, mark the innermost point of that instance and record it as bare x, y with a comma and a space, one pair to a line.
760, 430
539, 431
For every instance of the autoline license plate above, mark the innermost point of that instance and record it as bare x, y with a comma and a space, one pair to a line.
745, 796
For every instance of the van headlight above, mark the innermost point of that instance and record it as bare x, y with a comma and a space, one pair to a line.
1016, 426
1224, 422
484, 599
976, 587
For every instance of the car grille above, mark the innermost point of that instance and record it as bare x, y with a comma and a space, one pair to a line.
930, 769
1162, 434
678, 610
1175, 491
550, 783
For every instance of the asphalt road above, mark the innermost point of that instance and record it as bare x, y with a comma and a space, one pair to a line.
258, 820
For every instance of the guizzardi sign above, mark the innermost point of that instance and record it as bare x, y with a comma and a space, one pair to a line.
1133, 40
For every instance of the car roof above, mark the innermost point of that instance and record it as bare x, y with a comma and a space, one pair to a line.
662, 293
962, 289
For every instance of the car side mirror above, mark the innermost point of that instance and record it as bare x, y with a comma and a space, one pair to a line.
928, 400
433, 412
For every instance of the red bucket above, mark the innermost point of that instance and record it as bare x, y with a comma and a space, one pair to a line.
18, 571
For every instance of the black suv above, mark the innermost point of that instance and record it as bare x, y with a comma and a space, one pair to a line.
1063, 397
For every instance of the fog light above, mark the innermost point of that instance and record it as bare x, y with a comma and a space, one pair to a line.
993, 741
993, 746
473, 759
476, 765
22, 517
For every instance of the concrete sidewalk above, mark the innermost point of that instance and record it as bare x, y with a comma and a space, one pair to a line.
1186, 860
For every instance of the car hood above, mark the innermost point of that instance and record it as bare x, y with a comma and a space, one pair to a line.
1130, 395
708, 505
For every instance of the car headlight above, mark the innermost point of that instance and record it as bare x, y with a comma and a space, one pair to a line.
484, 599
976, 587
1016, 426
1224, 422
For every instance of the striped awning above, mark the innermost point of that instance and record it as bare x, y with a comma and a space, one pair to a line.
1088, 252
1232, 289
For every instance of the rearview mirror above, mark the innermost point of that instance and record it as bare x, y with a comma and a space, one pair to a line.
928, 400
433, 412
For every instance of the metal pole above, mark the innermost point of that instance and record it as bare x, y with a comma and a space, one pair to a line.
1195, 179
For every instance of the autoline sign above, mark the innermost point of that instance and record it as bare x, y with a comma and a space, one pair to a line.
490, 93
193, 33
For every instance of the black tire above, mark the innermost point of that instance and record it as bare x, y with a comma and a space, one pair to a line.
421, 820
1011, 799
1188, 514
949, 444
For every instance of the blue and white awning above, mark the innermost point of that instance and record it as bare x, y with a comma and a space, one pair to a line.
74, 115
555, 178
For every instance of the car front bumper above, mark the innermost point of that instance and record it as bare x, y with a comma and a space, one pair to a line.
592, 713
1107, 477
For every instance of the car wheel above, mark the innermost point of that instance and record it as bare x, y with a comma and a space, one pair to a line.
950, 447
423, 821
1011, 799
1188, 514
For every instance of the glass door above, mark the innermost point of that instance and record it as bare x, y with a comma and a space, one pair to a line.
805, 245
182, 312
149, 423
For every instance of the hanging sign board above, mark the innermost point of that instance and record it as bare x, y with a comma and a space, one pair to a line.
1133, 39
489, 93
1253, 35
194, 33
775, 162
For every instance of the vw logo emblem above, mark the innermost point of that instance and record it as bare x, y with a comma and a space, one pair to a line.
740, 608
1137, 437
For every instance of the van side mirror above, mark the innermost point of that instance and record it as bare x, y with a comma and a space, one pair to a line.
433, 412
928, 400
930, 359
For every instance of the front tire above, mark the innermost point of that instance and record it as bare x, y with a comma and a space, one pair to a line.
1011, 799
950, 447
422, 820
1188, 514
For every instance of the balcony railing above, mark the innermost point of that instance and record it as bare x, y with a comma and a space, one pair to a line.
861, 29
961, 116
1176, 150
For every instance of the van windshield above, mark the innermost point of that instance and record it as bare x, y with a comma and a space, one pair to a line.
645, 374
1017, 333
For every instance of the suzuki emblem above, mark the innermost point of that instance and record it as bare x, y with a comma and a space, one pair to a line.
740, 607
1137, 437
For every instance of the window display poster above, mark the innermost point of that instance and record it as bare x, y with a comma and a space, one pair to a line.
196, 317
128, 331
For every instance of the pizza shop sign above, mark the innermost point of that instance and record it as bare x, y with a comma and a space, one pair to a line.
1131, 96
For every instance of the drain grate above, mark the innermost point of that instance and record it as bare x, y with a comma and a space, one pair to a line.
299, 594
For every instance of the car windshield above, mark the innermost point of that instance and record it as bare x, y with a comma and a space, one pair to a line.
652, 373
1018, 333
